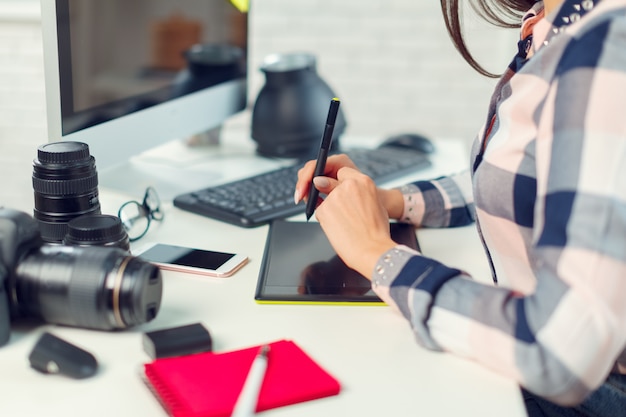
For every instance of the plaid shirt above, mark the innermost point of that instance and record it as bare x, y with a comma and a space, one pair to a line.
547, 190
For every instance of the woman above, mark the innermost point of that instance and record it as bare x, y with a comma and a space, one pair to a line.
547, 190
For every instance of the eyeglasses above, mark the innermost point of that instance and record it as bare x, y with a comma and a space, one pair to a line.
136, 217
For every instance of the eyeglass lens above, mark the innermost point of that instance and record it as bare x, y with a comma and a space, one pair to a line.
135, 219
153, 203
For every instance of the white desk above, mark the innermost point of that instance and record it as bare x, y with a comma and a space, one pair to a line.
370, 350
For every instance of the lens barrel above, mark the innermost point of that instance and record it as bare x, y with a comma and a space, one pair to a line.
92, 287
65, 183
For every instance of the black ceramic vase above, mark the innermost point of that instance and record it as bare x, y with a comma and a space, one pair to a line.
208, 65
290, 111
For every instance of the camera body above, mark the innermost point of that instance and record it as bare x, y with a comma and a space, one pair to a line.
95, 287
19, 234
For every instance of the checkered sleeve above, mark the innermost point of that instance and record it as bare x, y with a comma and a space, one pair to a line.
442, 202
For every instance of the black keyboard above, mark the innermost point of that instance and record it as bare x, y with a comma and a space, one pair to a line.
259, 199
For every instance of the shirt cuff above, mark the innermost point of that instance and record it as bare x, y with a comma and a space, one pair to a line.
409, 283
387, 269
414, 204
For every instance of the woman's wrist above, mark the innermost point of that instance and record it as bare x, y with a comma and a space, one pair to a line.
368, 257
393, 201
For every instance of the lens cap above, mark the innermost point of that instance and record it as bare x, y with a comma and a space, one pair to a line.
63, 152
97, 230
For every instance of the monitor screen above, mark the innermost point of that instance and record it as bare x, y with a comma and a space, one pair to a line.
125, 76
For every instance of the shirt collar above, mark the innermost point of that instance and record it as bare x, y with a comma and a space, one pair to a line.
544, 29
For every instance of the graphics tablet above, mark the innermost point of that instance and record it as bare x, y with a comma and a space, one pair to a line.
300, 266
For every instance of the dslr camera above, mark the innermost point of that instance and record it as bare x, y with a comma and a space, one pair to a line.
93, 287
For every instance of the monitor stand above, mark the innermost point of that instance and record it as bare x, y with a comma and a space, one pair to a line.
176, 168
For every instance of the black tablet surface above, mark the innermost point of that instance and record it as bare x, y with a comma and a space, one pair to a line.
300, 266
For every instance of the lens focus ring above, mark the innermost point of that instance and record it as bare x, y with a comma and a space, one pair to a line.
88, 302
65, 187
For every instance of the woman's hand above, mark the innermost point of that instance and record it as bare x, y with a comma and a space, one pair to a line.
392, 200
333, 164
354, 219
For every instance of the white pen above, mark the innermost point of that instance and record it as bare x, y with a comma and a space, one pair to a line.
249, 396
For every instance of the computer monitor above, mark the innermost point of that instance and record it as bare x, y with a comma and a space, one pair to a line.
125, 76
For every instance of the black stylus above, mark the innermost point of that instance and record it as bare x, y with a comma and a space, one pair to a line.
327, 138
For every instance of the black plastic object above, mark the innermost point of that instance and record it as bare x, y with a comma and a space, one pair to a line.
177, 341
97, 230
92, 287
65, 182
413, 141
290, 111
210, 64
53, 355
19, 233
5, 322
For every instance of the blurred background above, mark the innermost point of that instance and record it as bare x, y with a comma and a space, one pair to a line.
390, 61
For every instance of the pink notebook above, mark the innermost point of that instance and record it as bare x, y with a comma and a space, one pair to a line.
208, 384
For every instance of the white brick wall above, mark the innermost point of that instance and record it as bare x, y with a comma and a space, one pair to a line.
390, 61
22, 102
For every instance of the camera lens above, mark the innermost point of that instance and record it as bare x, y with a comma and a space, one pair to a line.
65, 182
97, 230
93, 287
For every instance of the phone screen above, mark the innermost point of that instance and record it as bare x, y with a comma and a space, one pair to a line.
178, 255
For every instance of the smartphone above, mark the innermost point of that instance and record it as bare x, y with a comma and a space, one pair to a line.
195, 261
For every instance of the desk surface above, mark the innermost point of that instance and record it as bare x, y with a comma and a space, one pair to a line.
370, 350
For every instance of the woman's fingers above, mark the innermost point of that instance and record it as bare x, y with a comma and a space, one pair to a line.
305, 174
